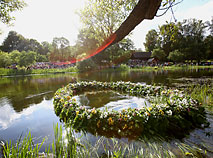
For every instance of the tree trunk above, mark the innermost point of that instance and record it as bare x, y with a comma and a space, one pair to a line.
145, 9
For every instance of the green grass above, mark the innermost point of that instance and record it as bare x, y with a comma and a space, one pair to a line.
11, 72
173, 67
203, 93
22, 148
124, 67
67, 146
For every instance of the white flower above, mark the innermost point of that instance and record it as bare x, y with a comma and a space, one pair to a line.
181, 95
169, 112
179, 106
105, 114
171, 101
88, 117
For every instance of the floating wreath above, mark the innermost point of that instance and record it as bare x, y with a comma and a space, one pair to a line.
171, 113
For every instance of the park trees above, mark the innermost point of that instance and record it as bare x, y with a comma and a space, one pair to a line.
15, 41
182, 41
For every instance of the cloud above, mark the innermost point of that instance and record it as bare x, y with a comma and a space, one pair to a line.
8, 116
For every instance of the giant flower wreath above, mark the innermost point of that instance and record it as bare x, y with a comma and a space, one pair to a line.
172, 112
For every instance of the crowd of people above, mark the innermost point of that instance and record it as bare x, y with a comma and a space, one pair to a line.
46, 65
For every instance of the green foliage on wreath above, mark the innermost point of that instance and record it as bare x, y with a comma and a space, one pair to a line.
173, 113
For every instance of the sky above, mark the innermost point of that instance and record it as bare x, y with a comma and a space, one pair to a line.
45, 19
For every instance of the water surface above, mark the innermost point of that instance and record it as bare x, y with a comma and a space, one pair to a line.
26, 103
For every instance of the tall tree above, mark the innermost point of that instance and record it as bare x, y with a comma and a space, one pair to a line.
14, 41
60, 49
46, 47
103, 17
169, 37
210, 26
194, 33
34, 45
151, 40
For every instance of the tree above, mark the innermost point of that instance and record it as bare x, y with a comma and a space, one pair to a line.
60, 49
208, 42
103, 17
151, 40
14, 41
210, 26
159, 54
176, 56
9, 6
117, 53
46, 47
87, 64
27, 58
4, 59
41, 58
14, 56
33, 45
194, 33
169, 37
85, 44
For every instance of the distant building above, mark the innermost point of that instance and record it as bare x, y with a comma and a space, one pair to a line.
143, 56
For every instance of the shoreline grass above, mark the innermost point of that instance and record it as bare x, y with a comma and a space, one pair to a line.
156, 68
172, 67
69, 147
123, 67
12, 72
203, 93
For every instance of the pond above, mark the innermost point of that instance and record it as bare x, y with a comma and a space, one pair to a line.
26, 103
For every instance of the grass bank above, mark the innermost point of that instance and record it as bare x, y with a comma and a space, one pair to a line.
173, 67
124, 67
14, 72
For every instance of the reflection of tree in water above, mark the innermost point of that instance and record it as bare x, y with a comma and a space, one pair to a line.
23, 91
158, 76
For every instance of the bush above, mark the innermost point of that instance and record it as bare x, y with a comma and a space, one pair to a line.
176, 56
159, 54
87, 64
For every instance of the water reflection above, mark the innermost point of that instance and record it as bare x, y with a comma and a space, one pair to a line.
8, 116
111, 100
164, 77
24, 91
